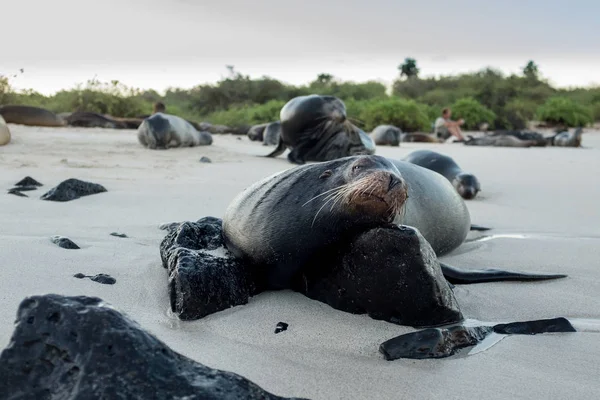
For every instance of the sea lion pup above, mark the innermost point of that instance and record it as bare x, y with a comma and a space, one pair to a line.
271, 134
499, 141
289, 221
567, 139
467, 185
31, 116
256, 132
386, 135
4, 132
162, 131
315, 128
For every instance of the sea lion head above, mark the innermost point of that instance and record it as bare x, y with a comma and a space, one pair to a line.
159, 128
366, 189
467, 185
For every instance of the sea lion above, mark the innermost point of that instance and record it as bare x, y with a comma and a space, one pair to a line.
290, 220
271, 134
467, 185
499, 141
85, 119
4, 132
162, 131
420, 137
567, 139
538, 138
129, 123
31, 116
315, 128
386, 135
256, 132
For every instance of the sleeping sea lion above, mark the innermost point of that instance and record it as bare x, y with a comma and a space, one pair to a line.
31, 116
163, 131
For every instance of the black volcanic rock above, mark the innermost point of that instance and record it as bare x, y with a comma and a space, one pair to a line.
17, 192
117, 234
553, 325
28, 181
79, 348
24, 188
390, 274
281, 327
72, 189
64, 242
204, 277
433, 342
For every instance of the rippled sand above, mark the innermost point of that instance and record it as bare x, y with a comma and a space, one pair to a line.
543, 204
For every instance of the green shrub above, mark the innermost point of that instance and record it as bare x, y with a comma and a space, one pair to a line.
596, 111
407, 115
564, 111
516, 114
472, 112
268, 112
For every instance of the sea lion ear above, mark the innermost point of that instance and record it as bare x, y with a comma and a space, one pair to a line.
326, 174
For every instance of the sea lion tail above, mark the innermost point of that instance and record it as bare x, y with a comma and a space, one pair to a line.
465, 277
278, 150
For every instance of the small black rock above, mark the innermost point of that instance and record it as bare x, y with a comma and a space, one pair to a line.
24, 188
281, 326
64, 242
72, 189
79, 348
100, 278
104, 279
205, 160
16, 192
28, 181
116, 234
553, 325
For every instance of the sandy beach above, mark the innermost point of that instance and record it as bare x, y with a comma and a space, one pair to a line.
542, 204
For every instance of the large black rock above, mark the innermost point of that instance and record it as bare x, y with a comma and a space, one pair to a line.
388, 273
72, 189
78, 348
204, 277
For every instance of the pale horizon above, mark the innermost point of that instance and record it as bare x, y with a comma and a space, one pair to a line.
182, 44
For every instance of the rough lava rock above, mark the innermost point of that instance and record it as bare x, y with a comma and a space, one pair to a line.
204, 277
72, 189
399, 280
281, 327
79, 348
117, 234
17, 192
444, 342
28, 181
24, 188
64, 242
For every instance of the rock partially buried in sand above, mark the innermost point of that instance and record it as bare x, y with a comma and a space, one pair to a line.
399, 280
24, 188
64, 242
72, 189
444, 342
28, 181
80, 348
205, 160
100, 278
204, 277
17, 192
120, 235
281, 327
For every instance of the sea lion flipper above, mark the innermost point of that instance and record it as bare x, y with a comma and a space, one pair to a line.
466, 277
479, 228
278, 150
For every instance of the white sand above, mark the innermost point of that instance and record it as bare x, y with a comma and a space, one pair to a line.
549, 194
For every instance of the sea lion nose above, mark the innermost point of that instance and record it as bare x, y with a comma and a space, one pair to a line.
394, 181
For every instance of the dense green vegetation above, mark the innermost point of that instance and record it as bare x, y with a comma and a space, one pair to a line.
504, 102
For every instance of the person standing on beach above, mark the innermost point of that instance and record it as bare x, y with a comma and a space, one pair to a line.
444, 127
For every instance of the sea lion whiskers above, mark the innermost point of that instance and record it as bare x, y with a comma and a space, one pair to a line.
324, 193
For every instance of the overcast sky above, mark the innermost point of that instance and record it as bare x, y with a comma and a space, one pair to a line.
182, 43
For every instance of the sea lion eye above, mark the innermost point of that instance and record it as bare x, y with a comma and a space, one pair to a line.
356, 167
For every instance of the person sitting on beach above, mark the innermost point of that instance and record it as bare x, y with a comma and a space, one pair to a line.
159, 108
444, 127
